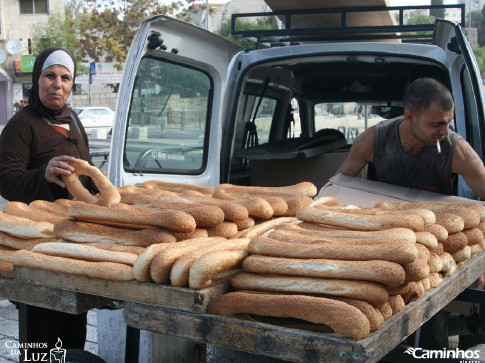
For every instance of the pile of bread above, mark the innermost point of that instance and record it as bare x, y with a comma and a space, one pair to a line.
351, 268
286, 256
117, 234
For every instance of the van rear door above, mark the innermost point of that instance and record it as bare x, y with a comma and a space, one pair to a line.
466, 82
169, 107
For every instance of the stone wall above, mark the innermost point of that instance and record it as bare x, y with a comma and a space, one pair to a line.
101, 95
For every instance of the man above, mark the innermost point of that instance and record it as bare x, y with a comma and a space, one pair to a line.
404, 151
419, 150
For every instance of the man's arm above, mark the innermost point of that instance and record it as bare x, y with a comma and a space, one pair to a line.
361, 152
468, 164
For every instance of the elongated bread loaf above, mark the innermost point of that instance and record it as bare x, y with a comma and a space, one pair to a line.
179, 274
435, 263
83, 252
471, 218
462, 255
440, 232
385, 309
434, 279
427, 239
21, 243
129, 192
85, 232
296, 237
427, 215
385, 272
397, 303
108, 194
162, 263
248, 223
257, 207
360, 222
304, 188
176, 187
371, 292
371, 313
100, 270
263, 227
25, 228
204, 216
399, 251
451, 222
115, 247
225, 229
141, 268
473, 235
329, 201
343, 318
26, 211
207, 267
117, 214
455, 242
60, 208
402, 233
434, 206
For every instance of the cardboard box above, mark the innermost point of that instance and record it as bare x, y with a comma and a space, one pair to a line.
366, 193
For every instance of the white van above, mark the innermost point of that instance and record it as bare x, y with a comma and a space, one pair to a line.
277, 115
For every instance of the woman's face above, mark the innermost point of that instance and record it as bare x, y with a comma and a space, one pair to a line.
55, 84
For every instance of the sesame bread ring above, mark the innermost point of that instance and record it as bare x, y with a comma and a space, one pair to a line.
108, 194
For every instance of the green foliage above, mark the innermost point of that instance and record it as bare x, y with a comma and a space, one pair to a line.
108, 30
479, 53
56, 32
419, 17
260, 24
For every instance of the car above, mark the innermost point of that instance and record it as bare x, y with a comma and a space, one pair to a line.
95, 118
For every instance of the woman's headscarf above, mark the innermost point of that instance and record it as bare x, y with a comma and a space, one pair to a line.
46, 58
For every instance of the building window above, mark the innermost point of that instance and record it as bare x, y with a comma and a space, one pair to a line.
33, 7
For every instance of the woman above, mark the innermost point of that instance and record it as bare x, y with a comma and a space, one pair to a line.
35, 146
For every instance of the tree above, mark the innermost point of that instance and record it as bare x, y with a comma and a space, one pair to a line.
108, 31
260, 24
56, 32
480, 57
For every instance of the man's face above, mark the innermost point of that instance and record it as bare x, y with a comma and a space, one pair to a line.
432, 125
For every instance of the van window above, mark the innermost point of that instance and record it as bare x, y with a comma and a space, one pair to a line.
167, 119
350, 118
256, 121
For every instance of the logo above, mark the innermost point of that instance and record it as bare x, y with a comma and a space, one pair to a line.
37, 352
58, 354
420, 353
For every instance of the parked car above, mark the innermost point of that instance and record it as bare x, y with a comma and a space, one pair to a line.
95, 118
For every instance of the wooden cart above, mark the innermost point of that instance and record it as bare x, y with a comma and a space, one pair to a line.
181, 312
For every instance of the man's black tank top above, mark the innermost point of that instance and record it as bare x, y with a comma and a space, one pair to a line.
426, 169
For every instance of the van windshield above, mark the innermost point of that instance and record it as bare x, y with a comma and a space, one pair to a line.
167, 119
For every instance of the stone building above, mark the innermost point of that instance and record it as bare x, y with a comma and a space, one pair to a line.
17, 18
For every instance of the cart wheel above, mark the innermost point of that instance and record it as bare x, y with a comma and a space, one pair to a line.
82, 356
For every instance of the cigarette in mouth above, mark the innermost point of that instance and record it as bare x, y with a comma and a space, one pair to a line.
438, 146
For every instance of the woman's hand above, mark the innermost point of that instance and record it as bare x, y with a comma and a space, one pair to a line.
58, 166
